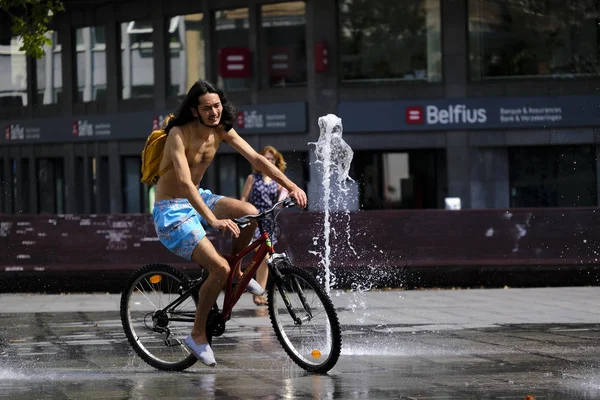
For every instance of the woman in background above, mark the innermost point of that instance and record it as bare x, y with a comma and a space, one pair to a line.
263, 192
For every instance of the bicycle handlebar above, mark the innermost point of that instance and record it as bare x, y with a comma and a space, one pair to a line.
244, 221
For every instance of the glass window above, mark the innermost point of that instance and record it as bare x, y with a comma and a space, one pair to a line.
13, 72
3, 186
137, 65
102, 185
20, 178
51, 185
284, 31
48, 72
94, 184
23, 186
533, 38
232, 31
79, 183
186, 53
231, 172
209, 180
395, 177
132, 188
400, 179
390, 40
15, 186
84, 174
228, 186
244, 168
552, 176
91, 63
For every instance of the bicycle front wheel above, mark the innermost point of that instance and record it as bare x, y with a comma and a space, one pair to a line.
157, 333
309, 329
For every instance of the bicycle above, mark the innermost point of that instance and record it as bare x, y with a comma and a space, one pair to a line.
159, 303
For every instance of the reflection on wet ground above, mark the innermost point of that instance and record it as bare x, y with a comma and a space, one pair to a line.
84, 355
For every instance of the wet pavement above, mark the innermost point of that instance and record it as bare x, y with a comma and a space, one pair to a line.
429, 344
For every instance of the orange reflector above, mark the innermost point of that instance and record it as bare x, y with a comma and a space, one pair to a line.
155, 279
316, 353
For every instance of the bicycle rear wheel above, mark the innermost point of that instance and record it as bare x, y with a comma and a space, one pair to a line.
155, 333
315, 343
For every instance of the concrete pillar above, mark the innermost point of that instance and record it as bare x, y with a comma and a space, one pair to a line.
31, 85
194, 65
69, 72
88, 60
209, 42
48, 60
253, 33
161, 53
113, 57
455, 67
126, 71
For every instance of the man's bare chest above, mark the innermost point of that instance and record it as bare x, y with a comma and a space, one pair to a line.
201, 152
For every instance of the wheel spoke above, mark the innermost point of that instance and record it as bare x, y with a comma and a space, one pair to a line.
155, 337
315, 343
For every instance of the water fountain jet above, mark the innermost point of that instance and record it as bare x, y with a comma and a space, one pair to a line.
334, 157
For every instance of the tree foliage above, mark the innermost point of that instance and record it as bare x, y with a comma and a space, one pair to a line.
384, 38
30, 20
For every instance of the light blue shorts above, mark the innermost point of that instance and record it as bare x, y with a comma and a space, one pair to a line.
179, 226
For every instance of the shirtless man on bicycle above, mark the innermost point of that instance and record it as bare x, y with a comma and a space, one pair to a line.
183, 211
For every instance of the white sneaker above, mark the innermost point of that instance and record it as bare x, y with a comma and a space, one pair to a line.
255, 288
202, 351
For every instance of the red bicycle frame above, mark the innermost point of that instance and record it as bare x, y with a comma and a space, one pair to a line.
233, 294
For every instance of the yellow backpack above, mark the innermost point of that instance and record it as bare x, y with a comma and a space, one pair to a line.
153, 152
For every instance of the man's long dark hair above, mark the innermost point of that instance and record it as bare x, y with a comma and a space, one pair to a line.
192, 99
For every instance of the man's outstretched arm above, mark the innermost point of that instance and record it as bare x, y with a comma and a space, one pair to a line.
265, 166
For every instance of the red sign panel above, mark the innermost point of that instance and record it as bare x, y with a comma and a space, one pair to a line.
240, 120
414, 115
234, 62
321, 57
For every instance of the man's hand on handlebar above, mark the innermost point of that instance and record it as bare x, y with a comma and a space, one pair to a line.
299, 196
226, 225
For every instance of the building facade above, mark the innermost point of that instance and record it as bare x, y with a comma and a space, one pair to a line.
490, 101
